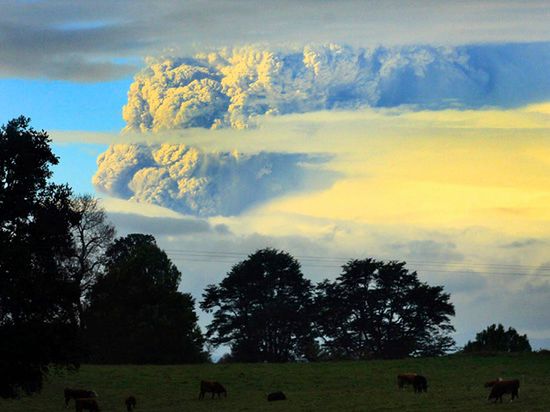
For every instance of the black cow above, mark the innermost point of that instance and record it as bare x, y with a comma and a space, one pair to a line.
420, 384
276, 396
210, 386
86, 404
130, 403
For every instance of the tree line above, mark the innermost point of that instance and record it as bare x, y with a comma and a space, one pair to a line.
72, 292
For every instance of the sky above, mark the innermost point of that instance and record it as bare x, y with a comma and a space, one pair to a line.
415, 131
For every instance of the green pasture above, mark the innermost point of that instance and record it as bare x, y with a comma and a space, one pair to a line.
455, 384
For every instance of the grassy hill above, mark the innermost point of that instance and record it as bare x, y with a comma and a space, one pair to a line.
455, 384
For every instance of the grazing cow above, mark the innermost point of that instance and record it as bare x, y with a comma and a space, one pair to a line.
214, 387
405, 379
130, 403
77, 393
276, 396
420, 384
490, 384
86, 404
503, 387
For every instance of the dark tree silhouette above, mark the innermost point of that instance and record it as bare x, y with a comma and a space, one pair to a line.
136, 314
262, 309
38, 299
496, 339
381, 310
92, 236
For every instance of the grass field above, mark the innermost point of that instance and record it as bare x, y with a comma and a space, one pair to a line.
455, 384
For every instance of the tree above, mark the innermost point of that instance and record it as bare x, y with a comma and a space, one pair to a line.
136, 314
496, 339
38, 317
92, 236
262, 309
381, 310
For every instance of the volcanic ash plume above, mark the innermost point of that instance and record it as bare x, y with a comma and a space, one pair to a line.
194, 182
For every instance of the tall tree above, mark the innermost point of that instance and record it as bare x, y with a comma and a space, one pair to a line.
136, 314
378, 309
262, 309
38, 299
496, 338
92, 236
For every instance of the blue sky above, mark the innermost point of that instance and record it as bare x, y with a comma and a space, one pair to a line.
65, 105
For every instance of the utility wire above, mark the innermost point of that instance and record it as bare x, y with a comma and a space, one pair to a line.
462, 267
231, 255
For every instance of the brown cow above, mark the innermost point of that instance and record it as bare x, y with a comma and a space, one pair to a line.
77, 393
214, 387
130, 403
501, 388
86, 404
405, 379
419, 382
490, 384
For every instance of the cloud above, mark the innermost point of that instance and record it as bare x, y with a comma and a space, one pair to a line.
465, 282
86, 41
427, 249
522, 243
435, 179
469, 263
191, 181
234, 87
163, 226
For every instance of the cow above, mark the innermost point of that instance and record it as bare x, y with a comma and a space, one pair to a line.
490, 384
77, 393
130, 403
420, 384
405, 379
86, 404
276, 396
503, 387
214, 387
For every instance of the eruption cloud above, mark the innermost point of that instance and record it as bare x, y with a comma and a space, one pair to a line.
193, 182
235, 87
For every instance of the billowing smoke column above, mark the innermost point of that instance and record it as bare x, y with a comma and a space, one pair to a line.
232, 87
194, 182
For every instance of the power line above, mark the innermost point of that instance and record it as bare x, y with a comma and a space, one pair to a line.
206, 256
216, 254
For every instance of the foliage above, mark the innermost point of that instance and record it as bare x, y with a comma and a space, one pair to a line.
38, 318
377, 309
262, 309
496, 339
136, 314
92, 236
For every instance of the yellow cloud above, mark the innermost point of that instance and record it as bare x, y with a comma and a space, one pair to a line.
484, 173
434, 170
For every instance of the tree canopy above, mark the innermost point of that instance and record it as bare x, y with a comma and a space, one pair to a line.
378, 309
38, 299
136, 314
495, 338
262, 309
